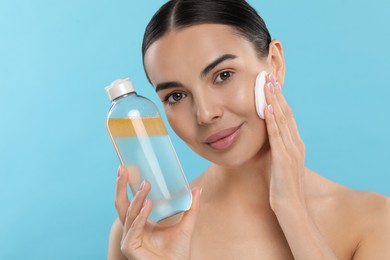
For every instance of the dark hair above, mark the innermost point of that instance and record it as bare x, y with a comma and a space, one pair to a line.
178, 14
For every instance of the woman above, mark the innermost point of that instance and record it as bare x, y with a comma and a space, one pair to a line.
257, 200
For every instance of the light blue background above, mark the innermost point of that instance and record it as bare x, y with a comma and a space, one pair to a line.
57, 165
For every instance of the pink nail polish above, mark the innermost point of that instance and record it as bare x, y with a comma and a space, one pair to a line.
145, 203
272, 78
278, 86
142, 186
271, 87
270, 109
119, 172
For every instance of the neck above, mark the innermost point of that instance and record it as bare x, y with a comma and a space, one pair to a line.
244, 185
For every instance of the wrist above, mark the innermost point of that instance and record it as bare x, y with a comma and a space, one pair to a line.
289, 208
299, 228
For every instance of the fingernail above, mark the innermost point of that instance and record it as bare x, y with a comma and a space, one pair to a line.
201, 190
145, 203
271, 87
272, 78
119, 171
278, 86
142, 186
270, 109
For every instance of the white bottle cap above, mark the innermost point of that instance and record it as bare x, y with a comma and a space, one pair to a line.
119, 88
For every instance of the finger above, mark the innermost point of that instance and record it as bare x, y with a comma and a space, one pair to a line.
189, 218
122, 202
278, 116
288, 113
136, 205
274, 137
136, 229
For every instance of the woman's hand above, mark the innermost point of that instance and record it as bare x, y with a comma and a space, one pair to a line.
287, 150
143, 239
287, 198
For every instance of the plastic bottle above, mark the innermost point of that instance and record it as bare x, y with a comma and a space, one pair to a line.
143, 146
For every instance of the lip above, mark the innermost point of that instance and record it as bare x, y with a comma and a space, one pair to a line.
224, 138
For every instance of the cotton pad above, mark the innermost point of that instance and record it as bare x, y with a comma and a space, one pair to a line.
259, 94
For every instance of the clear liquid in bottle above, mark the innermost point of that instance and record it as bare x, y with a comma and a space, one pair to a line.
144, 147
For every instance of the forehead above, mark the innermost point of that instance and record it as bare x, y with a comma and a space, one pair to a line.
192, 48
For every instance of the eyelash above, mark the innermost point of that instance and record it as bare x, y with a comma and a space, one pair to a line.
166, 99
219, 75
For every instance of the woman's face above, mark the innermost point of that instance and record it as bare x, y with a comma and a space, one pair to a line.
205, 76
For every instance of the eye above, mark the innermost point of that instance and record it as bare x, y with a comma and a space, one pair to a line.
225, 75
175, 97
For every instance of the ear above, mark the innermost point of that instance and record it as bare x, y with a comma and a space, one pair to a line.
275, 60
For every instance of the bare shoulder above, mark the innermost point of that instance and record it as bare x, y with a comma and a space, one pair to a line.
359, 205
358, 221
370, 211
374, 221
114, 243
371, 205
341, 197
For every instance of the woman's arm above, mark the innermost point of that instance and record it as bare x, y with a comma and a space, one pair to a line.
287, 198
303, 236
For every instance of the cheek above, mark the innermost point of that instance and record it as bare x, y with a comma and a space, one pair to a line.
242, 98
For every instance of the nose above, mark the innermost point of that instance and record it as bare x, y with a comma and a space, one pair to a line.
208, 109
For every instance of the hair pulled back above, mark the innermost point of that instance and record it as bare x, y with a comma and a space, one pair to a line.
179, 14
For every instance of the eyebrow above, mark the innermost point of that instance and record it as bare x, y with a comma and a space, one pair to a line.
217, 61
205, 71
167, 85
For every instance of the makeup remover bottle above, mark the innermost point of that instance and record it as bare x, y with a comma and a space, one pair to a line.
143, 146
